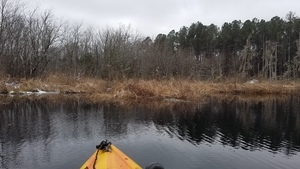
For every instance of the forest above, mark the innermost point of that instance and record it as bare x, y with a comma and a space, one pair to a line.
35, 43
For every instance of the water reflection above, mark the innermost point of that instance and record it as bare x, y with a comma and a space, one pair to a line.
271, 124
31, 130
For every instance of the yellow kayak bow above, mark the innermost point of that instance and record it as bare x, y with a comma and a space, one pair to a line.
108, 156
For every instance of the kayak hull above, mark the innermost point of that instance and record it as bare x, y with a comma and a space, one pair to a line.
115, 159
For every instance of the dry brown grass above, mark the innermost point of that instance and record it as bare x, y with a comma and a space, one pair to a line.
179, 89
3, 88
261, 88
64, 84
190, 90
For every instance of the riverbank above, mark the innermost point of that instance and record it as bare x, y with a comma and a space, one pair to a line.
172, 89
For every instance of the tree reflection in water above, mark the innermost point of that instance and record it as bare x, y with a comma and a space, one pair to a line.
272, 125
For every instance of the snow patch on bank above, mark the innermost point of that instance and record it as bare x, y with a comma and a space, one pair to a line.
34, 92
253, 81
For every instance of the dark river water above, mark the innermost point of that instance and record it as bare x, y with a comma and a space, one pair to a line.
211, 134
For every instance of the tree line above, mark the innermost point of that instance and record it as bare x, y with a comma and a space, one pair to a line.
35, 43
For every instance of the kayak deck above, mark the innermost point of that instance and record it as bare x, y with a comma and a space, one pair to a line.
115, 159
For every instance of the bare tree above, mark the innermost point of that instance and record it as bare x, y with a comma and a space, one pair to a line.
296, 62
26, 39
246, 59
116, 46
71, 48
270, 60
10, 22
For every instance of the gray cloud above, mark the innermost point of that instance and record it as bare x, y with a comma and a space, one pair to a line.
151, 17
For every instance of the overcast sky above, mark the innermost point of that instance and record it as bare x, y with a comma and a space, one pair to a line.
151, 17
